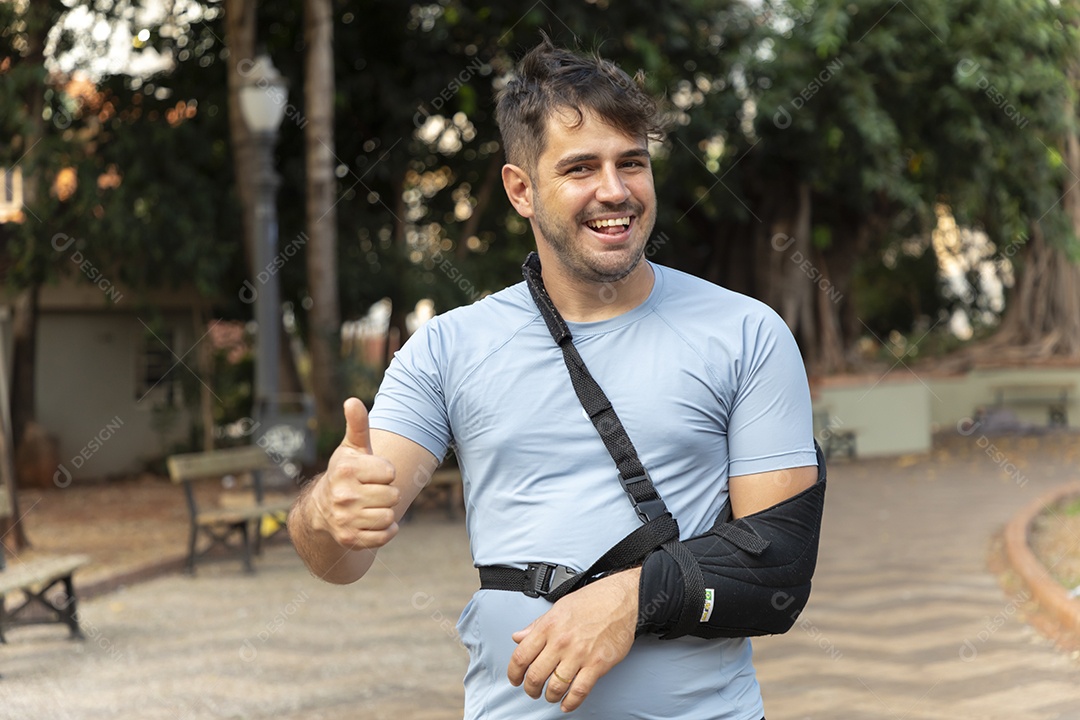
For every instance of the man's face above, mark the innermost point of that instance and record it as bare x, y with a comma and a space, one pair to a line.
594, 203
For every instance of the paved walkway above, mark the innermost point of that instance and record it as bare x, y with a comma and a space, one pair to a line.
905, 621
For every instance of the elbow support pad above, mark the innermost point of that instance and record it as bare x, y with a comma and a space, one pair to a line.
745, 577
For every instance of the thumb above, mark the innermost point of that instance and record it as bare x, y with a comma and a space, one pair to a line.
523, 633
357, 432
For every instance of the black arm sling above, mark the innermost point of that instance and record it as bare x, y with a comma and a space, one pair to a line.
659, 532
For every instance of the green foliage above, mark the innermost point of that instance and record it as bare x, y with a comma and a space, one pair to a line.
885, 110
152, 207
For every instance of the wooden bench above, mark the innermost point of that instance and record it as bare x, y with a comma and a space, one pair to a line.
241, 518
449, 481
834, 438
34, 580
1053, 396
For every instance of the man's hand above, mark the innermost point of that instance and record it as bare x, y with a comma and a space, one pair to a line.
354, 500
577, 641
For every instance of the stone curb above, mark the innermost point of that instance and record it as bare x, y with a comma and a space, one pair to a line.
1045, 590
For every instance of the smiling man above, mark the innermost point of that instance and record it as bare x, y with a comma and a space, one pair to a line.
709, 385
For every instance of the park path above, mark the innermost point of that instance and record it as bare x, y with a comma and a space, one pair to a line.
905, 621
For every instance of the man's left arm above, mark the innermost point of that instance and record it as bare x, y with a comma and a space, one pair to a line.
591, 630
751, 494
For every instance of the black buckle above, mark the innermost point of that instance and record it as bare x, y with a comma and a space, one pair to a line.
650, 508
542, 578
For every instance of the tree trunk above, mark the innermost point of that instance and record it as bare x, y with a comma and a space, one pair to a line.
240, 39
1044, 310
324, 336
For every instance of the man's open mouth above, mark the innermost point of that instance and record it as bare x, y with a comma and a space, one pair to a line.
610, 226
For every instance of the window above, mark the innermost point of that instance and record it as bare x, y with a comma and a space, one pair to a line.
157, 367
11, 193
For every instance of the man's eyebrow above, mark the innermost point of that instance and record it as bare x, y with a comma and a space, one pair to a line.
571, 161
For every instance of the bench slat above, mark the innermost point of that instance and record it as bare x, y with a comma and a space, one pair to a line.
239, 514
39, 571
214, 464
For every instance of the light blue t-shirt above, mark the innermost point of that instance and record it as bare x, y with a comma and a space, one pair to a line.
707, 382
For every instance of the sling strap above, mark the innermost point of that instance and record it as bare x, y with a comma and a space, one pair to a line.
660, 529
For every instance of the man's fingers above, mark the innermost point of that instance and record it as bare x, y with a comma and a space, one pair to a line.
561, 680
357, 431
523, 633
582, 685
524, 656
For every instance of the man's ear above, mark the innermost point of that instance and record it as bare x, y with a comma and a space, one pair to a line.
519, 189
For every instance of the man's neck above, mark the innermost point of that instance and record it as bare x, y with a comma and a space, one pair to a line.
584, 301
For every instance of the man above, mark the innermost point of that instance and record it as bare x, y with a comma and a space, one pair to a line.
709, 385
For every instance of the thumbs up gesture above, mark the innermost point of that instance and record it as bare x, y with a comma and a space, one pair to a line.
354, 501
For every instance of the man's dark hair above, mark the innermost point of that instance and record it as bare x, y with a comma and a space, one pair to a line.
551, 79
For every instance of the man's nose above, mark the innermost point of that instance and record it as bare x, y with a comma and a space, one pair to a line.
612, 188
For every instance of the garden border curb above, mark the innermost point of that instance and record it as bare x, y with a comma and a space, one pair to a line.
1045, 590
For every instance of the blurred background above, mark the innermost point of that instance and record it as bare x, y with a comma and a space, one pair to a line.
217, 216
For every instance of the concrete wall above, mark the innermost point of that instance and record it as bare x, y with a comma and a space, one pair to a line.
87, 395
959, 397
899, 412
889, 415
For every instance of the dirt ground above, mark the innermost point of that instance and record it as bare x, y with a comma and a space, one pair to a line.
1055, 540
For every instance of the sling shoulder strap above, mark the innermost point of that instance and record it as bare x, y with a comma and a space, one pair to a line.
659, 526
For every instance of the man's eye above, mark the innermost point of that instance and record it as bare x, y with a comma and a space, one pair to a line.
578, 169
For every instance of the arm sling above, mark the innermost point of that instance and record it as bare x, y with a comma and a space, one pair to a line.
745, 577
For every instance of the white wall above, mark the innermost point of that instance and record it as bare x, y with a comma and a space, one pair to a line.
86, 391
889, 415
899, 412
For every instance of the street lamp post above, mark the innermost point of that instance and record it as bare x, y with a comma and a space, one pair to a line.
262, 103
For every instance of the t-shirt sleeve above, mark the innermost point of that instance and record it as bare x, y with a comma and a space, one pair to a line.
770, 425
411, 400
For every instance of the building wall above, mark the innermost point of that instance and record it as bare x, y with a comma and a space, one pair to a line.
899, 412
87, 397
889, 415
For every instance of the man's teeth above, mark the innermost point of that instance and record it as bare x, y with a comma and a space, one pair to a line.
608, 223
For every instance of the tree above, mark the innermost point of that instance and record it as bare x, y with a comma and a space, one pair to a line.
324, 316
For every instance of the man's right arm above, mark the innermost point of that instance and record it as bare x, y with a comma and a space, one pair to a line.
346, 514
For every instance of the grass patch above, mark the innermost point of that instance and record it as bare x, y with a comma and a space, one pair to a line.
1071, 508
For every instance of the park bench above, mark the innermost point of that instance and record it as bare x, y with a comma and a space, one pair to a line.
1053, 396
34, 580
835, 439
448, 480
241, 516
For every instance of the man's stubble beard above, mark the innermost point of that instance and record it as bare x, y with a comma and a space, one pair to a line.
572, 255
